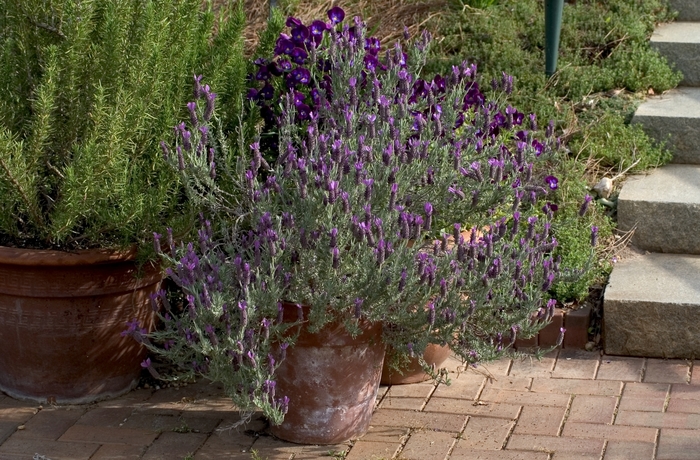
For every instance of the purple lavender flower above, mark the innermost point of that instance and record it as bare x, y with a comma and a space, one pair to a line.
198, 89
594, 235
584, 207
372, 46
209, 108
156, 242
428, 215
335, 254
358, 308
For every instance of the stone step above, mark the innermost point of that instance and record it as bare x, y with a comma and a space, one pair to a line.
651, 306
680, 43
663, 208
688, 10
674, 118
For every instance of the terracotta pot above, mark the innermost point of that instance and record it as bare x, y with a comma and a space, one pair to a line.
332, 381
61, 318
434, 354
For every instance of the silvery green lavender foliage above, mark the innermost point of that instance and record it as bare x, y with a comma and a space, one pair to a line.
394, 199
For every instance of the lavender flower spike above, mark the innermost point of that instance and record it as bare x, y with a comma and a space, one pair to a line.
594, 236
192, 107
584, 206
209, 108
429, 216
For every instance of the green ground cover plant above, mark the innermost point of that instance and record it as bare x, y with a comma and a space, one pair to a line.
605, 68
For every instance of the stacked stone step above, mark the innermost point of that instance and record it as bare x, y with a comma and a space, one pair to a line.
652, 301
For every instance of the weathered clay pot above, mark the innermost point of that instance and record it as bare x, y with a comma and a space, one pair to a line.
332, 381
434, 354
61, 315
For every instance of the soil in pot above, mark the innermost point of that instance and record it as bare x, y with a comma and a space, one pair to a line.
61, 318
332, 380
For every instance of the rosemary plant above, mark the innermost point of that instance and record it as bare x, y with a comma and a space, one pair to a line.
87, 90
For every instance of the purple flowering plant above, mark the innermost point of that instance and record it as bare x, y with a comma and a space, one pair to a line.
362, 218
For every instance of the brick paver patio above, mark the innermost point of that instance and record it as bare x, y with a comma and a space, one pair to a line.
572, 404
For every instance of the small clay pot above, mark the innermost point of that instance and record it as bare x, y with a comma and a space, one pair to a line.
332, 381
433, 355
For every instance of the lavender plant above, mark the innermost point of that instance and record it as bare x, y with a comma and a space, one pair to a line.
394, 199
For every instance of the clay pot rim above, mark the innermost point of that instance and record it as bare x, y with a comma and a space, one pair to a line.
54, 258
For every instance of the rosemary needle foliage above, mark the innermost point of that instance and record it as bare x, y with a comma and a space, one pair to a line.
88, 88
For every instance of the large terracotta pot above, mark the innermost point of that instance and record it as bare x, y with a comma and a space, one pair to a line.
433, 355
332, 381
61, 318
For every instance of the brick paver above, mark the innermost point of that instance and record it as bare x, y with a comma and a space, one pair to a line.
118, 451
571, 405
530, 367
524, 398
610, 432
50, 424
577, 387
576, 364
682, 391
658, 419
593, 409
667, 371
171, 445
650, 397
556, 444
464, 386
540, 420
467, 453
621, 368
424, 445
678, 444
372, 450
469, 407
484, 433
625, 450
419, 420
25, 448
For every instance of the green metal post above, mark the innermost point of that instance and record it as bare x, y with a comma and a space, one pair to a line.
552, 25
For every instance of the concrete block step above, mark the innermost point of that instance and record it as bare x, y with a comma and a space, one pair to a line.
674, 118
663, 208
688, 10
651, 307
680, 43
